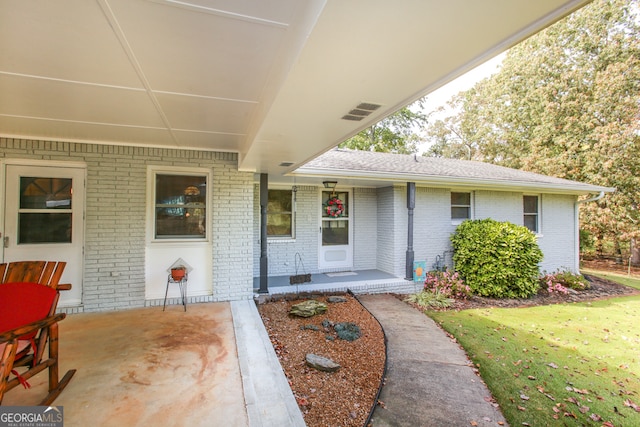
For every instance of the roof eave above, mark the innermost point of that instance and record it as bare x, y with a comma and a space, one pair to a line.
457, 182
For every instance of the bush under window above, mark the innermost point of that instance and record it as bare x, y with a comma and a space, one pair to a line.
497, 259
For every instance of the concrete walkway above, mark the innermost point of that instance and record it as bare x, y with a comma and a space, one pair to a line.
267, 394
429, 379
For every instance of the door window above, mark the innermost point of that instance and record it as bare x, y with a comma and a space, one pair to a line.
45, 214
335, 218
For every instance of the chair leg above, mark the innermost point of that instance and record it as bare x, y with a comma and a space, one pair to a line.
8, 356
53, 394
55, 386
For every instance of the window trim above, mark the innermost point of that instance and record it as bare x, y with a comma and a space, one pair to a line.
457, 221
284, 237
154, 170
537, 214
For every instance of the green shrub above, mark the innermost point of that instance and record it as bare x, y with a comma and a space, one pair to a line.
430, 299
347, 331
497, 259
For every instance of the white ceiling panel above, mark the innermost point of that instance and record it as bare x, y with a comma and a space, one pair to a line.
269, 80
69, 40
188, 51
206, 114
60, 130
56, 99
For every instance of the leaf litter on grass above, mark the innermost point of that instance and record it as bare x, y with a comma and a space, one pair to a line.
556, 362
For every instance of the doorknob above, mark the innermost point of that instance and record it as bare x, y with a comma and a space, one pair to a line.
5, 241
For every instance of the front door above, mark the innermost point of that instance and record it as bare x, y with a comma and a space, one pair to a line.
336, 248
44, 220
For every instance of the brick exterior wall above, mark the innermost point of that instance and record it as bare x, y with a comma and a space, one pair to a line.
365, 227
387, 234
115, 239
282, 252
558, 237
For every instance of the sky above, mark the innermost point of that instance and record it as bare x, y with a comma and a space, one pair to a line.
464, 82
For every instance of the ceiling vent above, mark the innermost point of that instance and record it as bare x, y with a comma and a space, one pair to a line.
286, 164
361, 111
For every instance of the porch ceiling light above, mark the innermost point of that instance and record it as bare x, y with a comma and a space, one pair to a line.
331, 185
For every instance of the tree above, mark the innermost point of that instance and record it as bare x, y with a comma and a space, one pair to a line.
394, 134
565, 103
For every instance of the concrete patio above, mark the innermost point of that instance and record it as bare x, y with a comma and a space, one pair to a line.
148, 367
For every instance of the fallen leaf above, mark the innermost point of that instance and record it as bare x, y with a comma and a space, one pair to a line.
553, 365
473, 423
531, 377
584, 409
630, 404
595, 417
521, 408
524, 397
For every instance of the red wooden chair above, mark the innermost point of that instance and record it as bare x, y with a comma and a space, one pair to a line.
29, 293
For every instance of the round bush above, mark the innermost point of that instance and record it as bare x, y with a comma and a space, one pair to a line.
497, 259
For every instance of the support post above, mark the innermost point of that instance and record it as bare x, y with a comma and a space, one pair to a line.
411, 204
264, 259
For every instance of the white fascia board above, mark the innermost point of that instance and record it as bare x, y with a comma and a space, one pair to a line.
447, 181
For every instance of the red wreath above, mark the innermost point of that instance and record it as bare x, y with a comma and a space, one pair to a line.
334, 207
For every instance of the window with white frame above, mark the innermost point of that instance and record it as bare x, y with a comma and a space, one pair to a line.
280, 217
531, 213
180, 205
460, 206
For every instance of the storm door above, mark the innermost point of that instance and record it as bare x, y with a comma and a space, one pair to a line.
44, 220
336, 231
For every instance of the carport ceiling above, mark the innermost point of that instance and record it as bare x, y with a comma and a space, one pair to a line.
270, 80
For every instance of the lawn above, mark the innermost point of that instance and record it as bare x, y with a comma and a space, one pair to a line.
567, 364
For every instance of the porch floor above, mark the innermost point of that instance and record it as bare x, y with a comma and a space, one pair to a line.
359, 281
144, 366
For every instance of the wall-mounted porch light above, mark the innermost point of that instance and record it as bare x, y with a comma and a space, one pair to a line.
331, 185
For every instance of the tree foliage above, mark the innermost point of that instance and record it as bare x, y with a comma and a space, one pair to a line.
565, 103
394, 134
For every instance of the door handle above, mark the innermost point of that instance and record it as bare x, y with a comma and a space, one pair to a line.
5, 241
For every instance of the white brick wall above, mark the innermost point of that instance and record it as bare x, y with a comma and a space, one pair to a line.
282, 252
432, 225
114, 271
558, 237
386, 257
365, 227
499, 205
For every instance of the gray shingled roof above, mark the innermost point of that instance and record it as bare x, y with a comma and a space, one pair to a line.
365, 164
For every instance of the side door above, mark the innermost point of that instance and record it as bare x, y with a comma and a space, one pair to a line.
44, 220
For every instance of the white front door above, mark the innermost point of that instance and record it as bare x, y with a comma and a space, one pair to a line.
336, 231
44, 220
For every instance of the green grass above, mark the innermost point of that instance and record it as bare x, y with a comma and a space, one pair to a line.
567, 364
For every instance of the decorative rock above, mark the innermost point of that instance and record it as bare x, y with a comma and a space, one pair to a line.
308, 308
321, 363
334, 299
